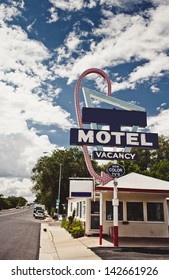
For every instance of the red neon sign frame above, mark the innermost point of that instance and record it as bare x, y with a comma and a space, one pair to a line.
104, 178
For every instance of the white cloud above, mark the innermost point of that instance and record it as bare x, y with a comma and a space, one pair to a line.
70, 45
72, 41
21, 59
91, 4
23, 73
24, 106
154, 68
54, 15
17, 3
160, 2
90, 22
19, 152
125, 38
161, 107
68, 6
128, 3
7, 13
75, 5
154, 89
30, 26
159, 123
18, 187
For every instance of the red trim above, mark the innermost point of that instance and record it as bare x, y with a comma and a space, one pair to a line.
115, 236
143, 190
133, 190
103, 189
100, 235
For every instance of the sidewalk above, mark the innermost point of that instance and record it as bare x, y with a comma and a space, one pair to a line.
57, 244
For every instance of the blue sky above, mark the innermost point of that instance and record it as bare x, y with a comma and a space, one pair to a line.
47, 44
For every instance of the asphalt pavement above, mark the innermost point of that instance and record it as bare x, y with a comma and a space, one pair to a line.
19, 235
57, 244
24, 238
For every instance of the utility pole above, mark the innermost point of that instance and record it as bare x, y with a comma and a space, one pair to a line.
115, 214
58, 198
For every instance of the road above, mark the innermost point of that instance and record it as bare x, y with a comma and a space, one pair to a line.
19, 235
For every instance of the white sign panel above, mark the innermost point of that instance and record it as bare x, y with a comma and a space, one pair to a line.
81, 188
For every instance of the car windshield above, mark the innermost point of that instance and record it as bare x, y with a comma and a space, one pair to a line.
40, 211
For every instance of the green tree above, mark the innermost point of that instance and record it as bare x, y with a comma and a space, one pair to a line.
11, 202
1, 202
154, 163
45, 175
21, 201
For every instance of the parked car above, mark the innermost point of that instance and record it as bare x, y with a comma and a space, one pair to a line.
35, 209
39, 214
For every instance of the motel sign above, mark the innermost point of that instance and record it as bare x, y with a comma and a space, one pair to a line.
113, 137
116, 170
105, 155
131, 116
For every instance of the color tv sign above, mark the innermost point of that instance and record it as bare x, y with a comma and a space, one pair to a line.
114, 135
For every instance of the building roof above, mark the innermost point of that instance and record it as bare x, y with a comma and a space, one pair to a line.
135, 182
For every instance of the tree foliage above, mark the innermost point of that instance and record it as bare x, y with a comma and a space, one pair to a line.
11, 202
154, 163
45, 174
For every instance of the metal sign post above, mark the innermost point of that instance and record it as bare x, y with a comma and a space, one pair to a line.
115, 203
101, 218
115, 170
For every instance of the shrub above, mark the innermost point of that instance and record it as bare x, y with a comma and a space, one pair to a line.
75, 227
65, 224
77, 231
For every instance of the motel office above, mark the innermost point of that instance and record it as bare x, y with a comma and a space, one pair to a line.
143, 207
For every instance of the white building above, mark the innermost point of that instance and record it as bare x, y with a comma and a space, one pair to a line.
143, 207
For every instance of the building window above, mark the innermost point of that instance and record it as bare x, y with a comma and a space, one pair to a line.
77, 212
155, 211
109, 211
95, 222
95, 218
84, 209
135, 211
95, 207
80, 208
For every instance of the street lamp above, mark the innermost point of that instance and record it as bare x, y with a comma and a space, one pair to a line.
60, 176
58, 198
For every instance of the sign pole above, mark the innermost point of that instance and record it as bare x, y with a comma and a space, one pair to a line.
58, 200
101, 218
115, 214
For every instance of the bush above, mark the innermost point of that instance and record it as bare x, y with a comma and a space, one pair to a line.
75, 228
64, 224
77, 231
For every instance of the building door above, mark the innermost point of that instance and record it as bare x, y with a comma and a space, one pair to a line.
168, 214
95, 217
